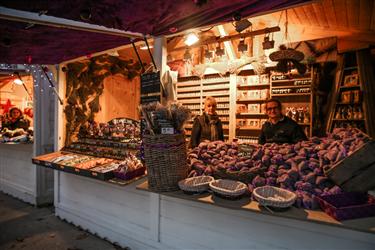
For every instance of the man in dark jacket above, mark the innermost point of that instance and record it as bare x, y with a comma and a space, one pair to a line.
279, 128
208, 125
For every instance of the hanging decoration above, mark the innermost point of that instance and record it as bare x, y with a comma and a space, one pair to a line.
85, 84
288, 58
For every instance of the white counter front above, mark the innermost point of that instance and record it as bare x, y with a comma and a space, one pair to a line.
19, 177
139, 219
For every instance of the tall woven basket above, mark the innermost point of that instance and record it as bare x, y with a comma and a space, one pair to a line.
165, 157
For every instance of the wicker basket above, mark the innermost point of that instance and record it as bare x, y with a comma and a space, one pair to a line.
228, 188
165, 157
274, 197
196, 184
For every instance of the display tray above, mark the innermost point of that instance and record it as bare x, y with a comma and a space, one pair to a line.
45, 161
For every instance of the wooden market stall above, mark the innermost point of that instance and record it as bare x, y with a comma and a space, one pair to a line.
18, 176
98, 91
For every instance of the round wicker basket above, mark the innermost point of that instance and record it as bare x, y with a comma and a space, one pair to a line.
196, 184
286, 54
274, 197
228, 188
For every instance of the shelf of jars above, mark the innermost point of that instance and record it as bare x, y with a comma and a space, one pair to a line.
295, 93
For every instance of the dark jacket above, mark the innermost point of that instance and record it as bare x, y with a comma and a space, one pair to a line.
284, 131
202, 131
21, 122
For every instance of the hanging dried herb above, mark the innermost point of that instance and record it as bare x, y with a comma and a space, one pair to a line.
85, 84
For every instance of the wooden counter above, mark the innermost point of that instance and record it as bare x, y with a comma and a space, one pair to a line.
137, 219
364, 224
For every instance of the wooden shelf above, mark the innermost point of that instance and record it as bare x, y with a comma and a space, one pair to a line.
221, 94
188, 91
304, 124
251, 114
350, 87
248, 128
253, 86
188, 84
189, 97
292, 94
349, 120
292, 80
350, 103
292, 87
189, 101
251, 100
351, 68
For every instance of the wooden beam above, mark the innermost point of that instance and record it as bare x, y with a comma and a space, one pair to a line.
365, 12
232, 37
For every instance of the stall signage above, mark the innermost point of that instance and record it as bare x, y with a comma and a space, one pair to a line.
150, 83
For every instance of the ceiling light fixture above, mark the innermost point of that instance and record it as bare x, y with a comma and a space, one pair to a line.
18, 81
242, 25
144, 47
191, 38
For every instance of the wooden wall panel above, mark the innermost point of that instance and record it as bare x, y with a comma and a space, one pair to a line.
330, 12
303, 17
320, 14
373, 17
353, 13
341, 14
310, 13
365, 12
120, 98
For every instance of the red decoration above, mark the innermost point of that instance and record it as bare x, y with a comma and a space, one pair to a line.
173, 29
29, 59
7, 106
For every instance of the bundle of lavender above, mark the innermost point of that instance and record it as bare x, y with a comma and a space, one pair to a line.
160, 119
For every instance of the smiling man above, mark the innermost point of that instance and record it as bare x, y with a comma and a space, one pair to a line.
279, 128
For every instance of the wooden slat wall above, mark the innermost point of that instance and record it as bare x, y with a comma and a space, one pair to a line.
365, 12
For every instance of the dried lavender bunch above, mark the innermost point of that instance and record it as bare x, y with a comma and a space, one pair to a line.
180, 115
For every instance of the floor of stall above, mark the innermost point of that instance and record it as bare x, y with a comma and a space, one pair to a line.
24, 226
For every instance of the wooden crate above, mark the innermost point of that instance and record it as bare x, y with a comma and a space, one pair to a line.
356, 172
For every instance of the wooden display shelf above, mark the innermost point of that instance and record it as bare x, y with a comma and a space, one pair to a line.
248, 128
351, 68
190, 101
215, 94
188, 91
292, 87
251, 100
251, 114
253, 86
350, 87
188, 84
292, 80
291, 94
348, 119
304, 124
188, 97
349, 103
216, 88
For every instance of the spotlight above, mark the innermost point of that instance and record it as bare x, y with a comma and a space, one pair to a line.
18, 81
267, 43
207, 54
191, 38
242, 47
144, 47
242, 25
187, 55
219, 51
85, 14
